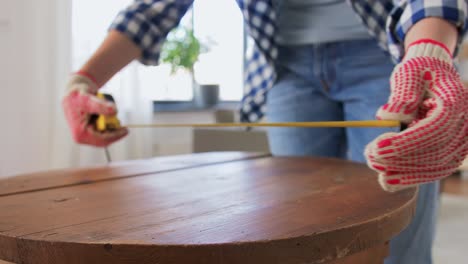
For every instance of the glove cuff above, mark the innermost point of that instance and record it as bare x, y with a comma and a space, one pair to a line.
84, 78
428, 48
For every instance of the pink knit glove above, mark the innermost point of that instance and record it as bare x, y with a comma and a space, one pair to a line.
428, 95
79, 104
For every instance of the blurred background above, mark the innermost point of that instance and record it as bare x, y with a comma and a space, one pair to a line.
43, 41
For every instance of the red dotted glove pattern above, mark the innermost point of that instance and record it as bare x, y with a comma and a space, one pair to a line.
428, 95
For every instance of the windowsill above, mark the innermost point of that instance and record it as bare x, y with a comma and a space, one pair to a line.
189, 106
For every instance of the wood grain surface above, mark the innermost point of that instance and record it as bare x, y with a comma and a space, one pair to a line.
201, 208
65, 178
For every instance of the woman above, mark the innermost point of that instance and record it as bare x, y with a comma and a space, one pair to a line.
316, 61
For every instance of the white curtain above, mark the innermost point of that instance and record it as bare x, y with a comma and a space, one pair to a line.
34, 63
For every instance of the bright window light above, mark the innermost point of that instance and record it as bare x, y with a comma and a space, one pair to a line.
219, 24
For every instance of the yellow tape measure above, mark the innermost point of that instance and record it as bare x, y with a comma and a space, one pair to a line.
104, 123
365, 123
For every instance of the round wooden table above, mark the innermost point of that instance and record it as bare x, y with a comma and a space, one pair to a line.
225, 207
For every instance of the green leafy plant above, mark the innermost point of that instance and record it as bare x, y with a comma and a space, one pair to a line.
181, 49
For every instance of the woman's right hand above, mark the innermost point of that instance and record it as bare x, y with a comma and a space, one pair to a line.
79, 104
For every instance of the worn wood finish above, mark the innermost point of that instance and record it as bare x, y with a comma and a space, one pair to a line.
253, 209
71, 177
375, 255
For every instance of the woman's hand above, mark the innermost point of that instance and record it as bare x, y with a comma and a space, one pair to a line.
428, 95
79, 104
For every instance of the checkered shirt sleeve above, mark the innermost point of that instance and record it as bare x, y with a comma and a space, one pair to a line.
260, 72
147, 23
407, 13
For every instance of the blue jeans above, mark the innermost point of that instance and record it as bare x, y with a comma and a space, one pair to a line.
343, 81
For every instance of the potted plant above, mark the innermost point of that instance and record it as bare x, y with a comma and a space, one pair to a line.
181, 50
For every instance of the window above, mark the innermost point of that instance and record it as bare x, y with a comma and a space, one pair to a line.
218, 23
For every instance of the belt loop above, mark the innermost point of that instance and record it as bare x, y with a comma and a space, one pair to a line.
317, 63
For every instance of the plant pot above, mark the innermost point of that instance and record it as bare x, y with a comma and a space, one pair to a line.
206, 95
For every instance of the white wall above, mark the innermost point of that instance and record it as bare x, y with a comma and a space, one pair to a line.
32, 68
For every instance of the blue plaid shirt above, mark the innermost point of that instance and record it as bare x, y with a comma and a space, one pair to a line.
147, 23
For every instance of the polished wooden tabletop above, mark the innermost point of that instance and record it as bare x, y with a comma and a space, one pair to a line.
225, 207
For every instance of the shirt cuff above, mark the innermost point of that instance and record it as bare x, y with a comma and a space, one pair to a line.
408, 13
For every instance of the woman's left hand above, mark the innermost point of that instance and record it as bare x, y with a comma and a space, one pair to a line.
428, 95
